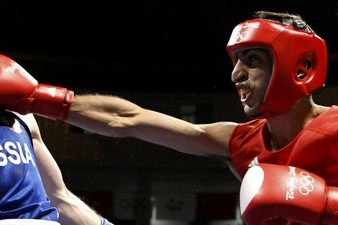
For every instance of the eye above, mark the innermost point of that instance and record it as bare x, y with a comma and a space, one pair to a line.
253, 60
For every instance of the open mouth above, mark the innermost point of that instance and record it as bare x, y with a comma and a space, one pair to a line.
244, 93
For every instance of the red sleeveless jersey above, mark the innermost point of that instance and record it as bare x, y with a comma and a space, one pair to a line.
315, 148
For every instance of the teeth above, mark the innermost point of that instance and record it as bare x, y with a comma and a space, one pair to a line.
244, 91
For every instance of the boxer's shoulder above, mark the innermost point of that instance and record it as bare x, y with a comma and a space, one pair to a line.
320, 109
29, 121
323, 120
324, 111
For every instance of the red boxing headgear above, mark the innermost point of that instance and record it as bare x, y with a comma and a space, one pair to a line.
294, 51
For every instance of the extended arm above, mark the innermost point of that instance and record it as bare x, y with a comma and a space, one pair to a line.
116, 117
108, 115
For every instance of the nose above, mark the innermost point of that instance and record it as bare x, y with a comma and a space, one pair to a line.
239, 73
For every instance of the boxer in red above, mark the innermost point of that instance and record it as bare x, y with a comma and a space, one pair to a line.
278, 62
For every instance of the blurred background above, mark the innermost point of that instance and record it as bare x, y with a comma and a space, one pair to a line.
166, 55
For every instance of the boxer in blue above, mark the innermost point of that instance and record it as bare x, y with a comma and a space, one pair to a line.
30, 197
32, 190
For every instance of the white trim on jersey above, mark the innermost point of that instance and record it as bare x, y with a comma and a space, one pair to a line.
254, 162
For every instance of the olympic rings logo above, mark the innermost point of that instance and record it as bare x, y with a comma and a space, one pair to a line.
241, 36
306, 182
303, 183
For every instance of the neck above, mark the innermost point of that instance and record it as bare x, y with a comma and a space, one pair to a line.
284, 128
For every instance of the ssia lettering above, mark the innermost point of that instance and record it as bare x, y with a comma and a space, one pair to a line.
16, 153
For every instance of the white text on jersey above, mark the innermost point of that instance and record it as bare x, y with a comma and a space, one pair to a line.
17, 153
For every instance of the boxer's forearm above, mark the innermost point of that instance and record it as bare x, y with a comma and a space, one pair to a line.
106, 115
73, 211
116, 117
113, 116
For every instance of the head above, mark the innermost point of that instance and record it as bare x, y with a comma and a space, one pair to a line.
292, 62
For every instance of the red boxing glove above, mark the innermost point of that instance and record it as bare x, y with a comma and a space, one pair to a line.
20, 92
270, 191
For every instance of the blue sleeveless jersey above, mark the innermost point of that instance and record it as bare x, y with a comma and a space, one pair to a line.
22, 194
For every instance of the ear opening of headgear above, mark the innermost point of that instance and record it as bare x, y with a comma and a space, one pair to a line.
302, 73
299, 59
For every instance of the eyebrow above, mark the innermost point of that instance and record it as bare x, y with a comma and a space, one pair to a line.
246, 51
243, 52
